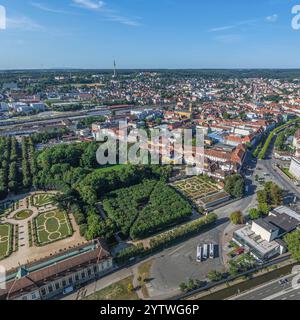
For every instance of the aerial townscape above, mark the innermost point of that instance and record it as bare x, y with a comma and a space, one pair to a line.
149, 151
72, 228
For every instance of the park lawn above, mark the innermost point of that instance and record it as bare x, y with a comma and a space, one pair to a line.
22, 215
41, 200
116, 291
52, 225
144, 273
5, 240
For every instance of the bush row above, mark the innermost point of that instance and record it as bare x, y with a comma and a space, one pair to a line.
167, 238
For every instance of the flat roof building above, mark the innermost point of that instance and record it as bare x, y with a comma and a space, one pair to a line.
263, 237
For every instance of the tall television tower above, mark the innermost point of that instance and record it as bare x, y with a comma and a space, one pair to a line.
115, 69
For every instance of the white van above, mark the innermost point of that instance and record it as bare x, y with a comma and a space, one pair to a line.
205, 251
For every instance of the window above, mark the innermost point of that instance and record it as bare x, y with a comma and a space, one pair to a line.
70, 280
83, 275
50, 289
33, 296
89, 272
64, 283
57, 286
76, 277
24, 298
95, 269
43, 291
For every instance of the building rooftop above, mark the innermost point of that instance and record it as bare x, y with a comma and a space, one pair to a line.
264, 223
43, 270
255, 241
284, 218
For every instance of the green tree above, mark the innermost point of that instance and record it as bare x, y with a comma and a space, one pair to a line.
235, 185
264, 209
254, 214
191, 285
93, 229
215, 276
262, 196
183, 287
237, 218
130, 287
234, 268
293, 242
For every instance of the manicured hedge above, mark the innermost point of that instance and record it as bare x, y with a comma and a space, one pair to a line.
167, 238
143, 209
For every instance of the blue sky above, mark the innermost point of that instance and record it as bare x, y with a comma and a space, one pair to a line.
149, 34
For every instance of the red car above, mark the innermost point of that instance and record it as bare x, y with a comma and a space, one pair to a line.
239, 251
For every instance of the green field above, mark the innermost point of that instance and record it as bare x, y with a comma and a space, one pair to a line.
22, 215
116, 291
196, 187
52, 226
5, 240
41, 200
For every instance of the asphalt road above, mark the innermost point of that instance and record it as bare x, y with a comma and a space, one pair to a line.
273, 291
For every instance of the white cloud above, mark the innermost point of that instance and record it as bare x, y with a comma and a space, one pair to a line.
109, 15
272, 18
89, 4
122, 20
222, 28
42, 7
233, 26
23, 23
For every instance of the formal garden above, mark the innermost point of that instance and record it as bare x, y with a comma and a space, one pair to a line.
52, 226
6, 240
39, 219
197, 187
41, 200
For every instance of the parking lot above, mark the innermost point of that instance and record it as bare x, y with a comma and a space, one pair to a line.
179, 264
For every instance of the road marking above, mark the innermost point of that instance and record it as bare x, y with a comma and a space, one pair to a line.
171, 253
